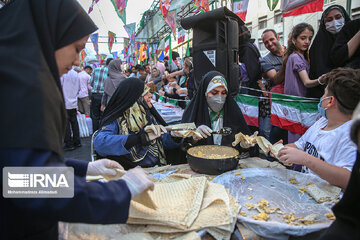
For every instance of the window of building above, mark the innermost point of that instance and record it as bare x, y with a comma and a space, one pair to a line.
261, 45
281, 38
278, 18
355, 13
328, 1
262, 23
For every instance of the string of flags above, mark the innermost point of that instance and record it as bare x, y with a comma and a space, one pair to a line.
137, 52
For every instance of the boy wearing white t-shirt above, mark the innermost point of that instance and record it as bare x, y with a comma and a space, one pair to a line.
326, 149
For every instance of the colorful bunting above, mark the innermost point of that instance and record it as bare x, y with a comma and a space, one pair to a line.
168, 50
240, 8
181, 35
112, 39
126, 47
91, 8
94, 39
161, 56
170, 20
120, 8
82, 56
130, 28
165, 7
142, 53
201, 5
115, 55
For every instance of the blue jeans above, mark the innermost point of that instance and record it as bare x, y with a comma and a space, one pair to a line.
264, 127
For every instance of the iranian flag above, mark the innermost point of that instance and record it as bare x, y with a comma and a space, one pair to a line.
240, 8
298, 7
181, 35
249, 106
294, 114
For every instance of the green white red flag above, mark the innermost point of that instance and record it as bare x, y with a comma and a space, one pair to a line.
240, 8
294, 114
249, 106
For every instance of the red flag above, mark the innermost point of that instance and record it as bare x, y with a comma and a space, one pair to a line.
83, 55
111, 40
164, 7
315, 6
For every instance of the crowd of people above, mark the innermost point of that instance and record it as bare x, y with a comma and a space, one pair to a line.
129, 132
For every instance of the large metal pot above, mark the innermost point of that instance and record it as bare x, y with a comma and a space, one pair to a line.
212, 159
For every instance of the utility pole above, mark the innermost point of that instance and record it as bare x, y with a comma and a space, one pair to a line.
348, 7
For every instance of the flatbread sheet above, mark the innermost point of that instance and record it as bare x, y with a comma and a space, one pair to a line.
178, 204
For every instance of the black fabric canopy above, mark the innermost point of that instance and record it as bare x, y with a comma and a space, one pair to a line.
31, 101
197, 111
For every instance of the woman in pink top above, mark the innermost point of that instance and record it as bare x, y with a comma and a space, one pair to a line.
295, 68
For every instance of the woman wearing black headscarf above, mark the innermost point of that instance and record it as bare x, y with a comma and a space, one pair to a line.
213, 108
40, 40
132, 131
332, 20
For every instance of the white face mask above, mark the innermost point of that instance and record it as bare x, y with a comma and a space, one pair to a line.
216, 102
335, 26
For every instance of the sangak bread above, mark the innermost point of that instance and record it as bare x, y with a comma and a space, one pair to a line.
324, 194
257, 162
178, 203
175, 177
218, 214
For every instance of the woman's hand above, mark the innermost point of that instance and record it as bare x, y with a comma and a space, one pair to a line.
137, 181
154, 131
204, 130
103, 167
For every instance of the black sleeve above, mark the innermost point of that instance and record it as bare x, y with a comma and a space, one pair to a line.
340, 53
136, 139
251, 60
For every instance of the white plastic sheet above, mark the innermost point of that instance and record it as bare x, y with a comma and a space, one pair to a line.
273, 185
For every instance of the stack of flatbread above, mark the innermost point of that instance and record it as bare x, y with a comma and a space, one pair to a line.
184, 130
263, 143
186, 205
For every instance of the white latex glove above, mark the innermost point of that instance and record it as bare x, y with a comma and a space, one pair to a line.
204, 130
245, 143
186, 133
137, 181
154, 131
103, 167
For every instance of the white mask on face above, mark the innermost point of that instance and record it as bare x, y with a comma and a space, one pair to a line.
216, 103
335, 26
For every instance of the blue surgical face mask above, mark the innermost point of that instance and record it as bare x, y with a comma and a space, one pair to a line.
321, 109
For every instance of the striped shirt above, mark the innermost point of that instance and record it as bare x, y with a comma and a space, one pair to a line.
97, 79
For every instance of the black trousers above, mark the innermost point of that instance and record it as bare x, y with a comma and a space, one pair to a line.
95, 112
72, 126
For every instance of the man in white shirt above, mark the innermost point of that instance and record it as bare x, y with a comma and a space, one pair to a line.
326, 149
83, 98
71, 86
